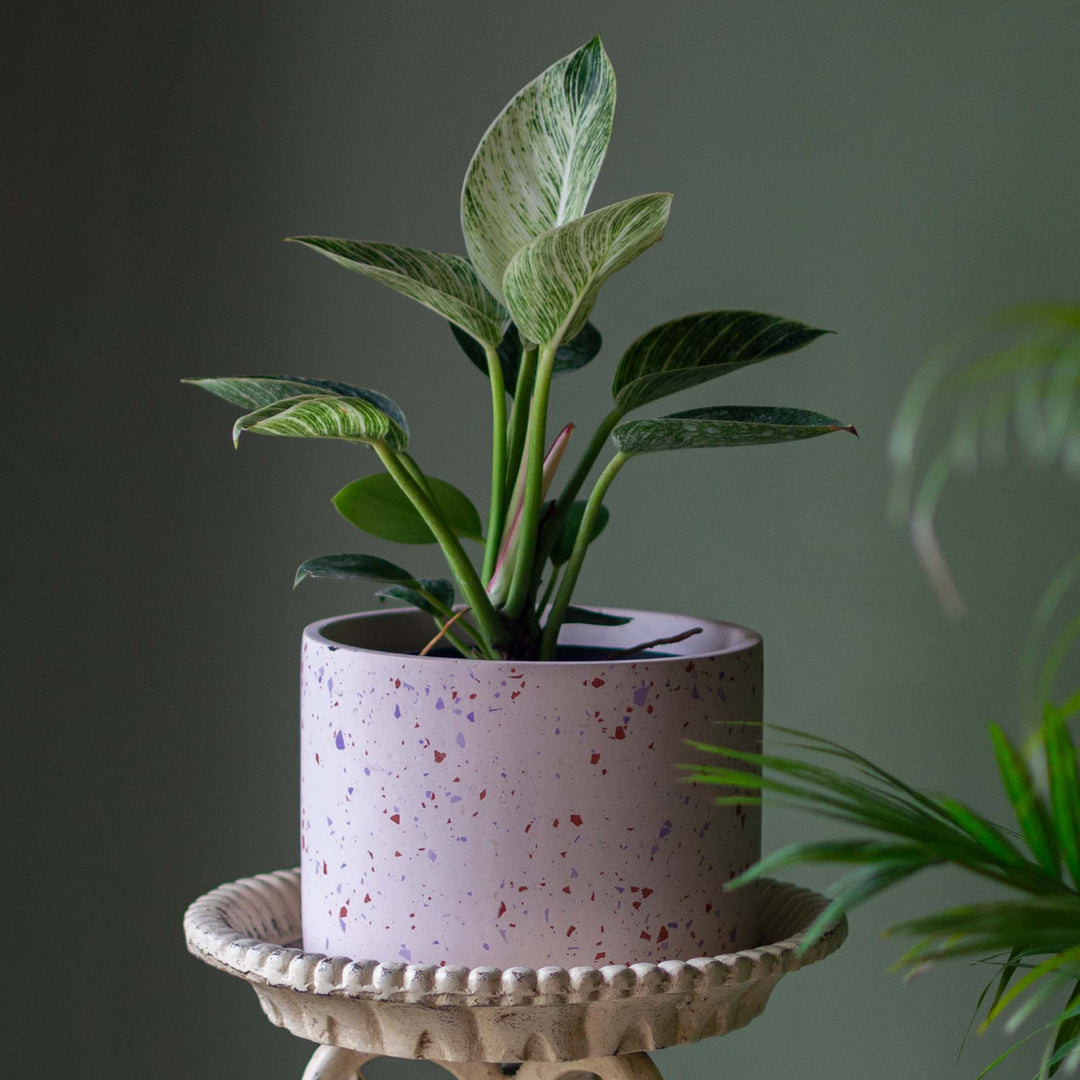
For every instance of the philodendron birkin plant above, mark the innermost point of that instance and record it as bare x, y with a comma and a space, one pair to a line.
519, 306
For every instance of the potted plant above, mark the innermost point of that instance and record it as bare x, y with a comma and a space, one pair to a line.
499, 787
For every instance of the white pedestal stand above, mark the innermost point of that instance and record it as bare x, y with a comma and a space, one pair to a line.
560, 1023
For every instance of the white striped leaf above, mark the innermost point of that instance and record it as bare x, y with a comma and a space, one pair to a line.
696, 348
552, 282
324, 416
729, 425
353, 566
257, 391
536, 165
378, 506
446, 284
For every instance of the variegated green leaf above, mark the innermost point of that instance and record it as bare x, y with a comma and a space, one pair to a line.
536, 165
696, 348
324, 416
378, 506
353, 566
446, 284
438, 588
257, 391
732, 425
552, 282
569, 356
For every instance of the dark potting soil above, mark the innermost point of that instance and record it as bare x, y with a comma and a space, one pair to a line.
574, 653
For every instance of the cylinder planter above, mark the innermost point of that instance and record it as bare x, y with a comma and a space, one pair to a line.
523, 813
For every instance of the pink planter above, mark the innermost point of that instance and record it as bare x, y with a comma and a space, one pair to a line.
482, 813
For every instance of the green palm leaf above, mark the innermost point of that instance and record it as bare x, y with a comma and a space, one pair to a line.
551, 283
1038, 929
536, 165
447, 284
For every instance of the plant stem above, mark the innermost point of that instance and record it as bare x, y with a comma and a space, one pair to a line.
446, 614
519, 414
550, 533
534, 480
497, 511
546, 598
417, 474
487, 617
581, 546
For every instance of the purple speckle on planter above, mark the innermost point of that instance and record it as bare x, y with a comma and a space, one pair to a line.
640, 694
460, 740
397, 712
439, 704
339, 741
432, 856
664, 831
405, 954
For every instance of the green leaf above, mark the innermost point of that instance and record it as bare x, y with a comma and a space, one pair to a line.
594, 618
1064, 789
446, 284
730, 425
536, 165
696, 348
258, 391
569, 356
378, 506
321, 416
1030, 811
552, 282
353, 566
564, 542
438, 590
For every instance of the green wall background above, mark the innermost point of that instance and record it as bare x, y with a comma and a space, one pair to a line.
888, 170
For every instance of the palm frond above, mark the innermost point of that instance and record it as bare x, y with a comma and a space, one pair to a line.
1037, 929
1022, 387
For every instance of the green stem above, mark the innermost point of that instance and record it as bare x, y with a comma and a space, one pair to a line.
534, 482
550, 533
497, 511
444, 615
519, 415
418, 475
486, 616
581, 546
546, 598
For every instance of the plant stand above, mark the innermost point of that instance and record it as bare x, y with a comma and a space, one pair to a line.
558, 1022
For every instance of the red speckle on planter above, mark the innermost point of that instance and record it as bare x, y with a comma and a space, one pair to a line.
555, 823
367, 898
663, 935
594, 759
566, 889
343, 912
502, 910
646, 893
620, 733
324, 870
571, 930
395, 818
576, 820
598, 682
483, 794
645, 936
439, 757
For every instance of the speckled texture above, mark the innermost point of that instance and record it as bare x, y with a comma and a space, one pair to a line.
460, 812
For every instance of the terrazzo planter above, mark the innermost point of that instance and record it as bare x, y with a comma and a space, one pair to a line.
496, 813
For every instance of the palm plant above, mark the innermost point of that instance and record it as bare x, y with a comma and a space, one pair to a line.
1033, 934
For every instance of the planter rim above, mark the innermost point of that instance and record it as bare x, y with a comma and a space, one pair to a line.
726, 637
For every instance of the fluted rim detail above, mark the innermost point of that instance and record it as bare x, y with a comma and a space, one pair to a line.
250, 928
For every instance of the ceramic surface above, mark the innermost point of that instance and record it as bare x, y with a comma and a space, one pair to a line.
478, 812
